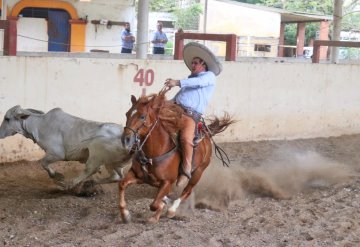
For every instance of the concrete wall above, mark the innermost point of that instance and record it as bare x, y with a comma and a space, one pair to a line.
270, 100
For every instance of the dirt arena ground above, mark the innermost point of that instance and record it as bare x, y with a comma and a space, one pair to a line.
276, 193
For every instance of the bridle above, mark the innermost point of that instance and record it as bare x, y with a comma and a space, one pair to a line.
140, 155
138, 144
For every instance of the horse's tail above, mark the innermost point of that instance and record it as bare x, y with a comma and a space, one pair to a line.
218, 125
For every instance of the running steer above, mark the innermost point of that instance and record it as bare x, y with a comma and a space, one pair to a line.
64, 137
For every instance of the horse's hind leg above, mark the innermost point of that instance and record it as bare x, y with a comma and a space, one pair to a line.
158, 205
128, 180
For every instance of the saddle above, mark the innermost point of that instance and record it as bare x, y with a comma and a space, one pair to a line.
200, 126
200, 131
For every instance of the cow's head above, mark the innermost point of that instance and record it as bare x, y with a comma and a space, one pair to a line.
13, 121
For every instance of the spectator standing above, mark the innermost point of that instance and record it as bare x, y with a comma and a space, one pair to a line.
159, 40
127, 39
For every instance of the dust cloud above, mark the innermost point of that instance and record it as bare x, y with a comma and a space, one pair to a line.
282, 176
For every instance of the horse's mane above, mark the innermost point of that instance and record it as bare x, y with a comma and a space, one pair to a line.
169, 113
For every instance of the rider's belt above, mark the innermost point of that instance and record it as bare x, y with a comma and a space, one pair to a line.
191, 112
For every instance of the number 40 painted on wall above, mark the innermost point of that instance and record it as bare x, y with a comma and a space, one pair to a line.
144, 77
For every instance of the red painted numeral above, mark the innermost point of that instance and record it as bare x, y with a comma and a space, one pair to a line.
149, 77
139, 77
146, 77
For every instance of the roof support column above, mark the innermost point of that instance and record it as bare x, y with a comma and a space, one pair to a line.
10, 35
337, 16
324, 35
300, 40
142, 29
281, 40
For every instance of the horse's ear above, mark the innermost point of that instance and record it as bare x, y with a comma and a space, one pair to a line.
133, 99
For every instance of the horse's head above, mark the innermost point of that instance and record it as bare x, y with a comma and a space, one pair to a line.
140, 118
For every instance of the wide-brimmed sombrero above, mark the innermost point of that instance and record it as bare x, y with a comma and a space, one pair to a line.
194, 49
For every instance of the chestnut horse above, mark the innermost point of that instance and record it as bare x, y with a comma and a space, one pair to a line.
150, 132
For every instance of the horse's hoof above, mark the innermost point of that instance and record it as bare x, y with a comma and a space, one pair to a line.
126, 217
153, 220
170, 214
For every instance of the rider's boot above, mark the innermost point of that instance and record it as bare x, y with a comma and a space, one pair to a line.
187, 145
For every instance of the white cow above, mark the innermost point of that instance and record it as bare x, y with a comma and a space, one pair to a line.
64, 137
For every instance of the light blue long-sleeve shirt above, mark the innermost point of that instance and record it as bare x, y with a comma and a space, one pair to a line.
159, 35
126, 44
196, 92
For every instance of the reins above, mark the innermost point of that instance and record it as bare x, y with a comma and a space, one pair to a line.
148, 134
140, 155
219, 152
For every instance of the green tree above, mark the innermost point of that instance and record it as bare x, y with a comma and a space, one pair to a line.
307, 6
162, 5
351, 15
188, 18
351, 21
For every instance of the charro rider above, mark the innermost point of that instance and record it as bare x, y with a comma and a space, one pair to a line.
194, 96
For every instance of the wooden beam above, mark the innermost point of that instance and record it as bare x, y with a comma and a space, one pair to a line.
319, 43
230, 40
110, 23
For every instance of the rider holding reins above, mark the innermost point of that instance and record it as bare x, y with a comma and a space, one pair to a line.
194, 96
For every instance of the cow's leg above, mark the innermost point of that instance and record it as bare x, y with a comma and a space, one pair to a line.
120, 171
92, 166
46, 162
100, 152
115, 175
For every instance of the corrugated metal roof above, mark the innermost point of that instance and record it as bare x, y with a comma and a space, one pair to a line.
286, 16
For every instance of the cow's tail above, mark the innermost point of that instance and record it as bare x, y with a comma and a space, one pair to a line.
216, 126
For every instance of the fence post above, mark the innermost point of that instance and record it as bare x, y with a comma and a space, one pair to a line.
179, 46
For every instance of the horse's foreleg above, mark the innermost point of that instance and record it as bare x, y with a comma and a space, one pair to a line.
196, 175
129, 179
158, 205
